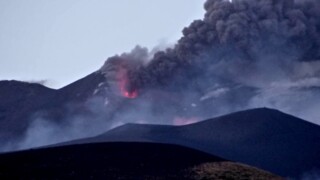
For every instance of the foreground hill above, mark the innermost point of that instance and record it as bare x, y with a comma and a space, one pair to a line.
263, 138
122, 161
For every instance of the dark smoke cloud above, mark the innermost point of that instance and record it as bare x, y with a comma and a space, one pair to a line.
124, 65
240, 35
247, 50
242, 54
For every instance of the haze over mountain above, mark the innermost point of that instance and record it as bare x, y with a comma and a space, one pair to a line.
243, 54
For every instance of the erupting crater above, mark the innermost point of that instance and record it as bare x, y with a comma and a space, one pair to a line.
123, 82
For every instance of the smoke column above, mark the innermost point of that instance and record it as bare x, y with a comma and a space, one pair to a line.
242, 54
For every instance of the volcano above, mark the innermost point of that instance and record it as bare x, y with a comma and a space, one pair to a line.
242, 55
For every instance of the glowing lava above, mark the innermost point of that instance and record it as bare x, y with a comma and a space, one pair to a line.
131, 95
123, 84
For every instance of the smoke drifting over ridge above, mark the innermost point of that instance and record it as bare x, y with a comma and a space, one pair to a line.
269, 46
243, 54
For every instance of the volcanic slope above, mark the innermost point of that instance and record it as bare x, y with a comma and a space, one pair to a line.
17, 100
22, 102
122, 161
264, 138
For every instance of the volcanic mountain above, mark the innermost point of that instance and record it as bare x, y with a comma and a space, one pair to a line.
264, 138
242, 54
21, 103
17, 101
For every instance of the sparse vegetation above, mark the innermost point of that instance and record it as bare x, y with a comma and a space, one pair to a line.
230, 171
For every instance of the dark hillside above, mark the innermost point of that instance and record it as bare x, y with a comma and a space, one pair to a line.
264, 138
122, 161
18, 101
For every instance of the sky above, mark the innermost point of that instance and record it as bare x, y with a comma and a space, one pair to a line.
61, 41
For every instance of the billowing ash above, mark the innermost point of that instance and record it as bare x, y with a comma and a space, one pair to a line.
242, 54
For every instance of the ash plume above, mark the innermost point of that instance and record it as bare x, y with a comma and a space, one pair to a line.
243, 54
242, 38
243, 46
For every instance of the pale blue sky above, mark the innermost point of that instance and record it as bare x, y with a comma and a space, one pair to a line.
64, 40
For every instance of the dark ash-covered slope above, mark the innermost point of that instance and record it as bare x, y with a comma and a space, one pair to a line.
263, 138
23, 103
122, 161
17, 101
